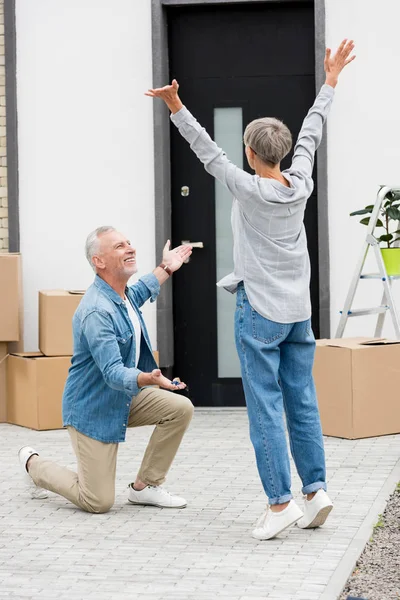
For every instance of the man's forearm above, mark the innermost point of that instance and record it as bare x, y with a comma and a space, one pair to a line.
161, 274
144, 379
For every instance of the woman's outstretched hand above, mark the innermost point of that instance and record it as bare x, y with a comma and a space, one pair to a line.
335, 64
168, 93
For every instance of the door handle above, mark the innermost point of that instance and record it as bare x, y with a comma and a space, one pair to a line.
193, 244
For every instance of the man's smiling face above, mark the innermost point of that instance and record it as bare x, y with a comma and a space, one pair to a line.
115, 256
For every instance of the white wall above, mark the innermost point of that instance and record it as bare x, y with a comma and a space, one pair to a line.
363, 142
85, 138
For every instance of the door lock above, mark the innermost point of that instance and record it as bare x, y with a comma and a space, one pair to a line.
185, 190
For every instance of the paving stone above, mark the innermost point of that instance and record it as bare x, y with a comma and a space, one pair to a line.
53, 551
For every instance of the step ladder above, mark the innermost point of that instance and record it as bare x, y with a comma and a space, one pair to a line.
387, 304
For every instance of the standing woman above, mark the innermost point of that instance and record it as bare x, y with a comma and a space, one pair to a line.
271, 277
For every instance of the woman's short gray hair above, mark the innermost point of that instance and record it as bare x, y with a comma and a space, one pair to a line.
92, 243
269, 138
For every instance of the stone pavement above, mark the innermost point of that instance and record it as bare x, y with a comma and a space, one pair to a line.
49, 550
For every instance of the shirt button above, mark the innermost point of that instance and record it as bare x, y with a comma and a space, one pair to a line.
128, 405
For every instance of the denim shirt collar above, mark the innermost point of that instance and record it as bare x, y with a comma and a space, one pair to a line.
108, 290
104, 372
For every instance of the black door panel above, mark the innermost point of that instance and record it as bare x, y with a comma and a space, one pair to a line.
261, 58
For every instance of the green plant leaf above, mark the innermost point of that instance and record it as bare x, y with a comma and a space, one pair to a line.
393, 213
363, 211
380, 522
366, 221
394, 202
385, 238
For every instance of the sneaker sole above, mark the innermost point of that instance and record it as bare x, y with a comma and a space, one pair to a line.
36, 495
35, 492
157, 505
261, 539
320, 518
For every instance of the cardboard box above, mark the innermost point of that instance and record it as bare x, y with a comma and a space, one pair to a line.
35, 385
10, 297
357, 383
56, 309
3, 382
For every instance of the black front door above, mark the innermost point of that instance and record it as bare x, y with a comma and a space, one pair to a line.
234, 63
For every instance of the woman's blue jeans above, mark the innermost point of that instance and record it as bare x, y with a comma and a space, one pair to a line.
276, 363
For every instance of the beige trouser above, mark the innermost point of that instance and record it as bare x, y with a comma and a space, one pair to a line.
93, 487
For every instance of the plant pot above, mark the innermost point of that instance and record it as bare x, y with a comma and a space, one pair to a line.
391, 258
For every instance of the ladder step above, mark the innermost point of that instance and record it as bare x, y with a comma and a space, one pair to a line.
377, 276
359, 312
371, 244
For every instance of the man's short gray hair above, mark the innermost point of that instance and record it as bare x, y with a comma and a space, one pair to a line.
269, 138
92, 243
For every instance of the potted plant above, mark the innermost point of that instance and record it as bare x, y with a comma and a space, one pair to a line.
390, 212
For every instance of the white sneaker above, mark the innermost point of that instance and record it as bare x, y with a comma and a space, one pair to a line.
271, 523
35, 491
316, 510
154, 495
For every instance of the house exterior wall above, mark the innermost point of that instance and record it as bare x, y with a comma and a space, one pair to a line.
363, 144
85, 137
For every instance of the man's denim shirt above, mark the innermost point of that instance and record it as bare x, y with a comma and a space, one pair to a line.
103, 376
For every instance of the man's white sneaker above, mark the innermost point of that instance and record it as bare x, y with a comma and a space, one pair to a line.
154, 495
35, 491
316, 510
271, 524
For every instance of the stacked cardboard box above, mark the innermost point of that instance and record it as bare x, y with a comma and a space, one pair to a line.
10, 297
10, 316
357, 386
32, 383
3, 382
35, 385
56, 309
35, 380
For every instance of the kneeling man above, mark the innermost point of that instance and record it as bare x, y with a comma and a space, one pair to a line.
110, 386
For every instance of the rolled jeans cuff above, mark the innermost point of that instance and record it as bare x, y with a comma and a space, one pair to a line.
280, 499
314, 487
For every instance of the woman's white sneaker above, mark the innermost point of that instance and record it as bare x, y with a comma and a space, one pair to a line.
35, 491
154, 495
271, 524
316, 510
